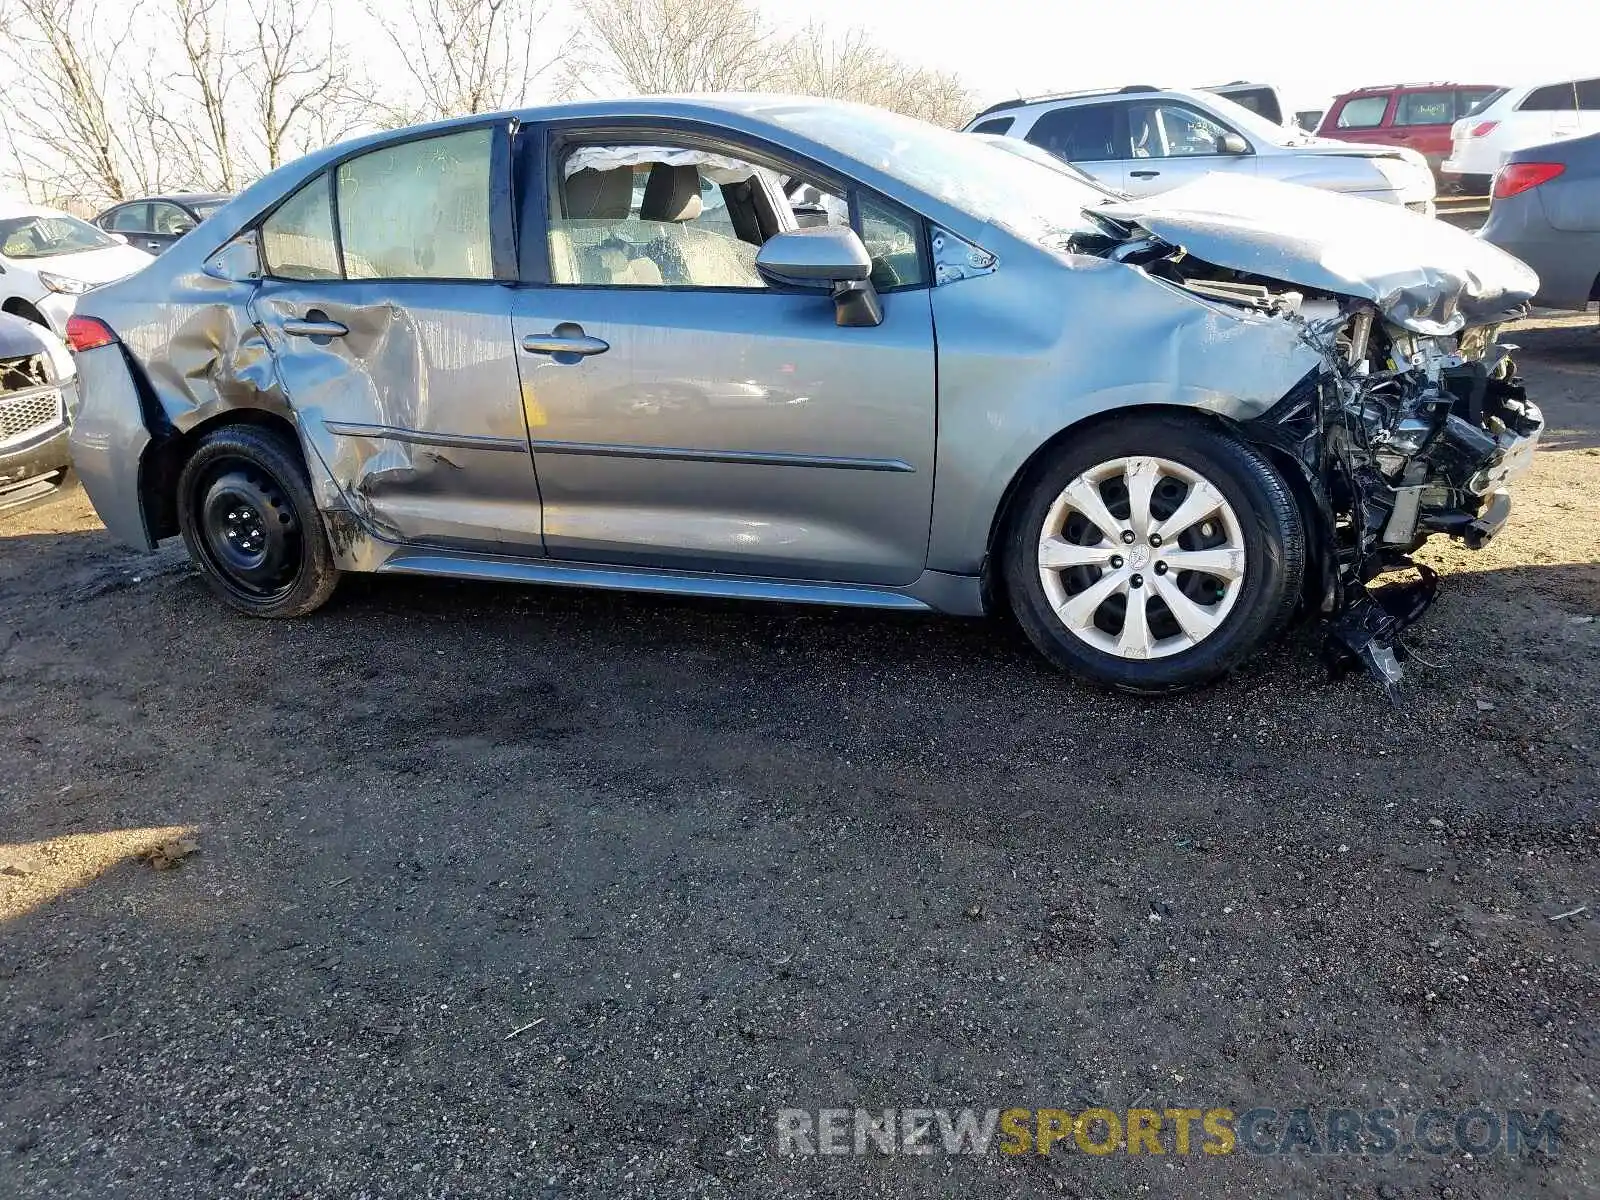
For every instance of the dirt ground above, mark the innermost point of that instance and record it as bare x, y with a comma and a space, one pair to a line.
540, 893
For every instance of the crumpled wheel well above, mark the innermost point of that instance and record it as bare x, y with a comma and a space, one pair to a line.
165, 459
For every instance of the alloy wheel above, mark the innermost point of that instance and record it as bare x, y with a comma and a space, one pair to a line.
1141, 557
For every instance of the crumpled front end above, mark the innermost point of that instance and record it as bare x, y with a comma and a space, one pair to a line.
1403, 437
1414, 424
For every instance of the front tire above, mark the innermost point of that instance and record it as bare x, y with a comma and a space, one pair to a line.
1154, 554
251, 525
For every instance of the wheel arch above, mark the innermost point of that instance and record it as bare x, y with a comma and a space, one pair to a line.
164, 461
1017, 487
18, 307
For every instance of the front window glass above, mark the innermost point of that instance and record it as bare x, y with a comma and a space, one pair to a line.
204, 208
418, 210
1364, 112
43, 235
656, 216
1172, 131
297, 239
1471, 100
170, 219
968, 173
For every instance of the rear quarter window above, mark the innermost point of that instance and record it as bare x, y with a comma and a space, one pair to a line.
1555, 97
995, 125
1363, 112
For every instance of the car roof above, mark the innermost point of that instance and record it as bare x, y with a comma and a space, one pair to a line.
186, 197
1382, 88
1132, 89
11, 206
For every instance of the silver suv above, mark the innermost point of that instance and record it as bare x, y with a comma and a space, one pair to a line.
1142, 140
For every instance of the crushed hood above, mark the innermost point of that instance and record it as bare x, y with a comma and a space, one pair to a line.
1422, 274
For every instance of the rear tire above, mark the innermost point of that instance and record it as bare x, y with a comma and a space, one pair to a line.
1154, 554
251, 524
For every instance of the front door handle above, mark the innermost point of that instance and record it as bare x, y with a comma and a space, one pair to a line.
1143, 174
565, 339
295, 327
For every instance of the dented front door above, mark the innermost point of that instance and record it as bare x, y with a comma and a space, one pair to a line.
408, 393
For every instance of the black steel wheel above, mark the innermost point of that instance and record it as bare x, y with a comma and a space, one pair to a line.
251, 524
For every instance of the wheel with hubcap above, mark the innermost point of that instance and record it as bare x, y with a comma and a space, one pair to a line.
251, 525
1154, 554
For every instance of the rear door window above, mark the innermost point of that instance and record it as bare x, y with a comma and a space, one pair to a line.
131, 218
419, 209
1082, 133
1425, 108
1363, 112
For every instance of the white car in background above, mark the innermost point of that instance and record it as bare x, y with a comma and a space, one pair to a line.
49, 258
1143, 140
1519, 117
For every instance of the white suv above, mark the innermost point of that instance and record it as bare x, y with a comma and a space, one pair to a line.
49, 258
1519, 117
1143, 140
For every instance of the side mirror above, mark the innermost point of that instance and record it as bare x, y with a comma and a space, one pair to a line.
239, 261
118, 237
1232, 143
826, 257
181, 228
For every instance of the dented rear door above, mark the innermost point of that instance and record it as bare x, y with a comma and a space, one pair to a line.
394, 346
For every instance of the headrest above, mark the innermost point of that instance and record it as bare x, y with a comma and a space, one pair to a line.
672, 194
600, 195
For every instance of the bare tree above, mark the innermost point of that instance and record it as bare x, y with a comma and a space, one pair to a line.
671, 46
68, 128
299, 78
461, 56
853, 67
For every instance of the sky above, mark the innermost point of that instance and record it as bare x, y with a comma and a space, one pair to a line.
1310, 49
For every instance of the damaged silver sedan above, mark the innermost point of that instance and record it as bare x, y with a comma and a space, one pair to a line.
808, 351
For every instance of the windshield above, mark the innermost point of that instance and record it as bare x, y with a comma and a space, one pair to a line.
41, 235
1037, 203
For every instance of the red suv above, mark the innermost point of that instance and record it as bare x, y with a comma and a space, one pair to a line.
1418, 115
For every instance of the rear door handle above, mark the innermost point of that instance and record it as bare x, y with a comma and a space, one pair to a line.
566, 339
295, 327
1143, 174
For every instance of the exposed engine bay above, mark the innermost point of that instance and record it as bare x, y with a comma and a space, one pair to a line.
1399, 434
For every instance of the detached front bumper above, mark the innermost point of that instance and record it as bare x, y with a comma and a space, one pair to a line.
108, 442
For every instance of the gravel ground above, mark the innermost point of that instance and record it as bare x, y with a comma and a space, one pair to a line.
482, 891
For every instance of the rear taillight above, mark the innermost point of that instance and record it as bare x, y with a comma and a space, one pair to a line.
1516, 178
1483, 129
88, 333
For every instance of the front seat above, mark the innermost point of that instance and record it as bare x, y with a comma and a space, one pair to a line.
686, 254
584, 247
